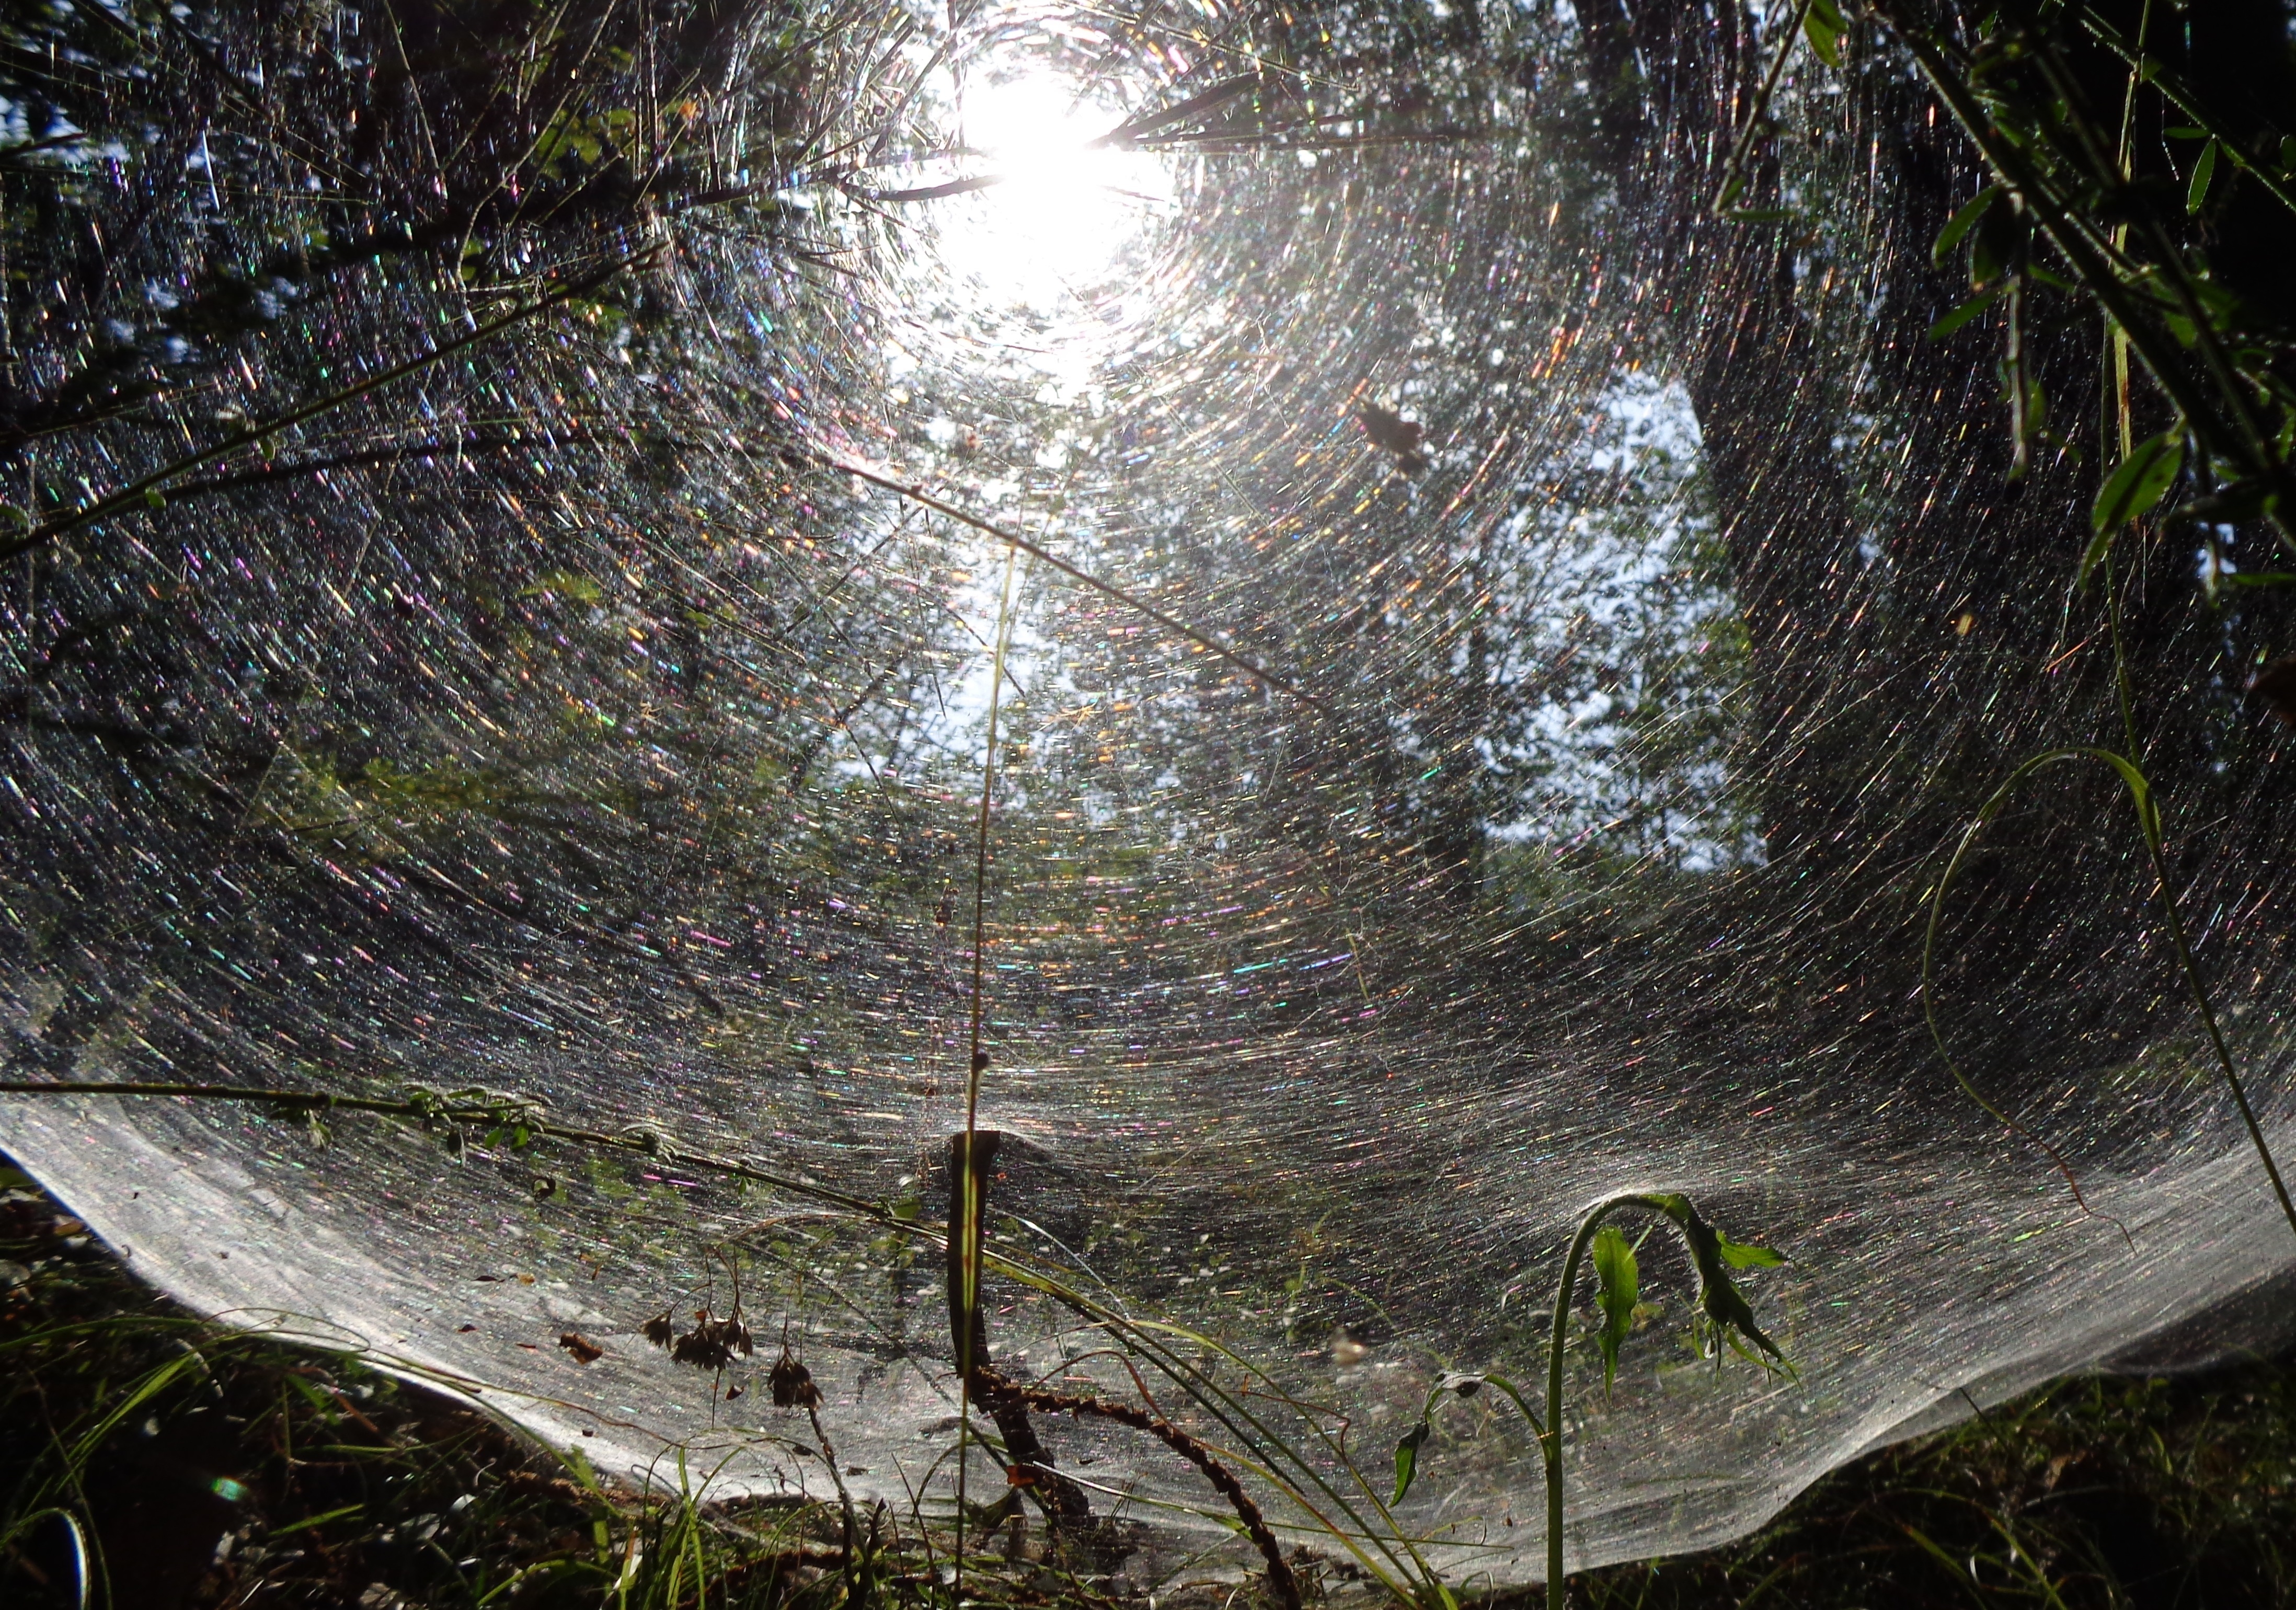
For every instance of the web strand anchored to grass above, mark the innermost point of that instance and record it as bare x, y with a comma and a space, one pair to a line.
2148, 819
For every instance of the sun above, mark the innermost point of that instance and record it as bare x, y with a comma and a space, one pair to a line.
1065, 206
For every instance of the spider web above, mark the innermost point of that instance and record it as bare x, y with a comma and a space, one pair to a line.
589, 717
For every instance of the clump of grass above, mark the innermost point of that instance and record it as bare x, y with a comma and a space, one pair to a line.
2098, 1491
202, 1466
149, 1458
152, 1458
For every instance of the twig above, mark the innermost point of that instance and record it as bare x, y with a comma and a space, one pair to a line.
919, 495
990, 1388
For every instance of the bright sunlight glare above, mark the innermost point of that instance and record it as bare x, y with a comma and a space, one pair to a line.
1064, 208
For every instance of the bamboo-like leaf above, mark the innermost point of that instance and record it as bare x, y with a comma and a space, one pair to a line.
1968, 310
2132, 491
1961, 222
2196, 196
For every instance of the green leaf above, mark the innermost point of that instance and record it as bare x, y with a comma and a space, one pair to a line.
1968, 310
2197, 195
1823, 25
1738, 1256
1406, 1459
1961, 223
2234, 505
2132, 491
1621, 1285
570, 585
1999, 246
2140, 482
1724, 1306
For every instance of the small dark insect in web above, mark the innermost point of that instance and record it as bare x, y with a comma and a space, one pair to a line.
1395, 433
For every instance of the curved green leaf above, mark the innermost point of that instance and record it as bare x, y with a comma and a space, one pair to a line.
1823, 25
2132, 491
1724, 1306
1621, 1285
2196, 196
1961, 222
1406, 1459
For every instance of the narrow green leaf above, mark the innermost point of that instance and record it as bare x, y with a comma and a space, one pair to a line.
1824, 26
1621, 1285
1961, 223
2185, 131
2141, 480
1968, 310
309, 1521
1406, 1459
2132, 491
2234, 505
2205, 169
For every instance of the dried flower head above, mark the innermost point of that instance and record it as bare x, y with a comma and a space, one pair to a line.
792, 1384
712, 1343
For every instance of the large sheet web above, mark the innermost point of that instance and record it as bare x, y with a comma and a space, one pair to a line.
569, 719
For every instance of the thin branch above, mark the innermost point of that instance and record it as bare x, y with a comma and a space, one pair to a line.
150, 488
919, 495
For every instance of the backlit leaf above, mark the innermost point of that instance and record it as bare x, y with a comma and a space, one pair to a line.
1406, 1459
2205, 170
1961, 222
1823, 25
1620, 1286
2132, 491
1738, 1256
